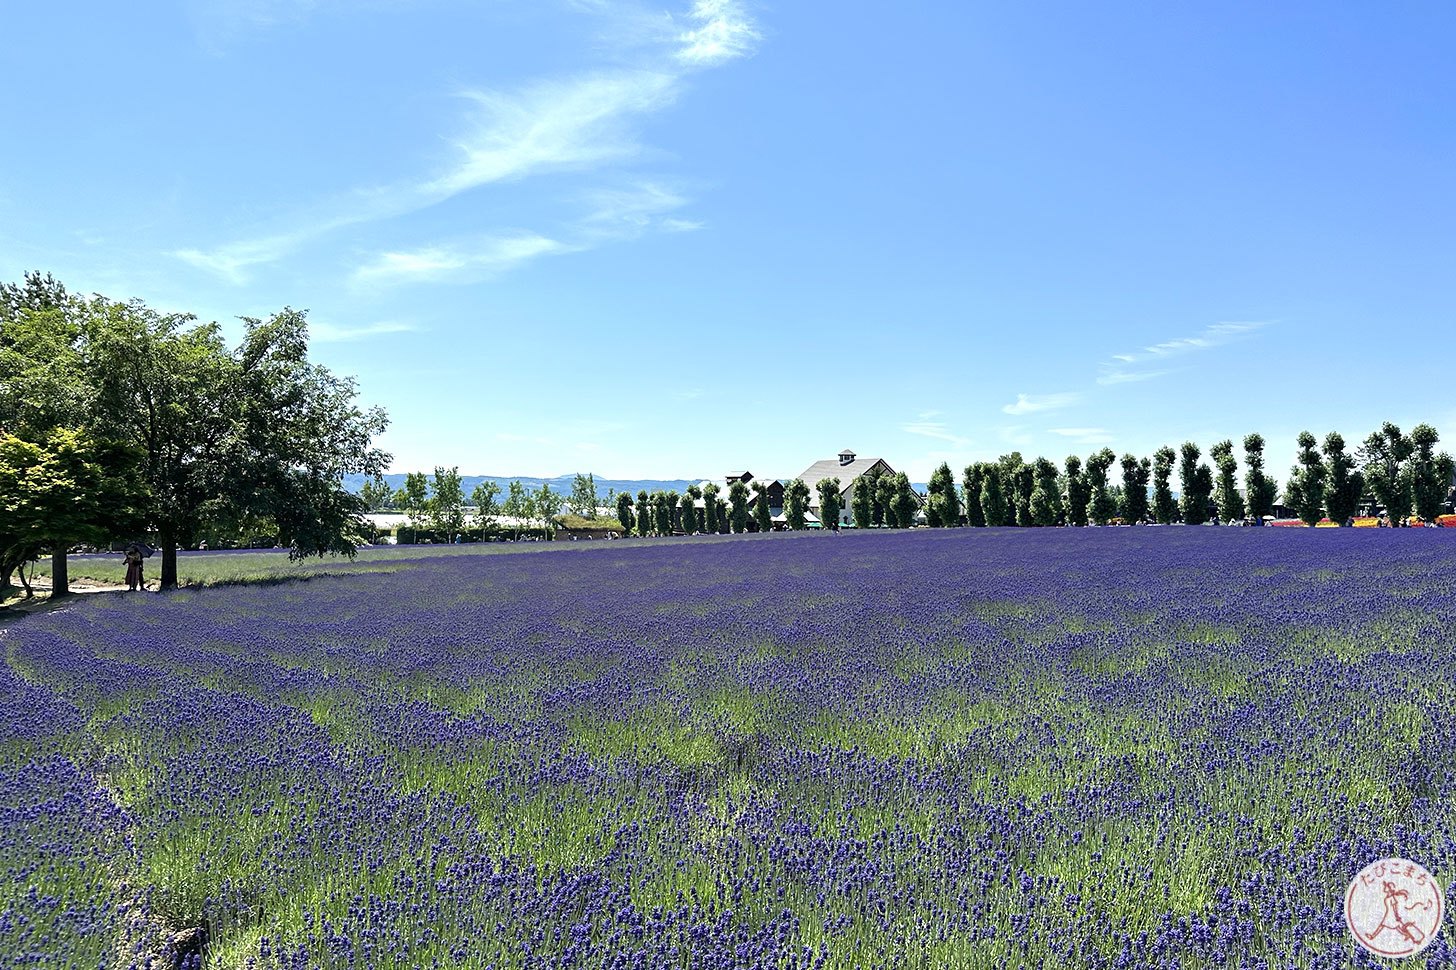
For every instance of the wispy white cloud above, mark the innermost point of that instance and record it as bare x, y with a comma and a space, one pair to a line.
1215, 335
723, 31
1123, 368
231, 262
579, 123
628, 212
217, 22
1112, 375
325, 332
938, 430
1033, 403
439, 262
574, 123
614, 215
1015, 435
1085, 436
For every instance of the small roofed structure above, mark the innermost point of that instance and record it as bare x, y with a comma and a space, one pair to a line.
781, 521
774, 490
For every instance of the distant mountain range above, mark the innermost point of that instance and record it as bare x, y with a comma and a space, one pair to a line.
561, 484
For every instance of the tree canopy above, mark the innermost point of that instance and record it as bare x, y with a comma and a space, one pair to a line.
220, 436
1226, 493
829, 502
1305, 491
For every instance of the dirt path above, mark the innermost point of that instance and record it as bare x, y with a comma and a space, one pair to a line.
42, 602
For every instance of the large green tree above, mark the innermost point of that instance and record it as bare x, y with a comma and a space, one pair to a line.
943, 505
44, 380
738, 506
517, 506
1135, 476
994, 506
762, 512
1429, 473
688, 508
710, 508
446, 503
1077, 495
1260, 491
376, 494
1022, 477
1101, 507
1345, 483
662, 507
1305, 492
1046, 494
1226, 492
902, 505
413, 499
796, 503
1384, 456
830, 502
67, 488
583, 500
862, 502
485, 498
644, 513
547, 505
256, 432
624, 512
1165, 509
971, 482
1196, 480
884, 498
43, 390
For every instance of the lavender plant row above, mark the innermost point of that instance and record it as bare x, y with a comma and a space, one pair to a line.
970, 748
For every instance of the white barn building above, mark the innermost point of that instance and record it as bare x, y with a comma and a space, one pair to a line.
847, 468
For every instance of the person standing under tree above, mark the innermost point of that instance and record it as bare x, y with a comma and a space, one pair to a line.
134, 577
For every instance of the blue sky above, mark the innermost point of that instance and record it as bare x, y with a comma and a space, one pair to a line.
674, 239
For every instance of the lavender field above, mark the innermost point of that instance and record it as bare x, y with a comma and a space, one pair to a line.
966, 748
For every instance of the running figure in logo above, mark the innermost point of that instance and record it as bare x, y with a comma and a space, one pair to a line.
1392, 920
1394, 908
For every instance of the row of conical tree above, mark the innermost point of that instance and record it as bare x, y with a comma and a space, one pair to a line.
1391, 472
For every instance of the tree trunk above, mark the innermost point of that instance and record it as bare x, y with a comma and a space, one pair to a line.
60, 573
169, 559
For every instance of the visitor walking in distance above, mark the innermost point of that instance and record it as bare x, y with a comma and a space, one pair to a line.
134, 578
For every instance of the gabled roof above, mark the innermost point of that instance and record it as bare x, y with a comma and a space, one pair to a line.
831, 468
